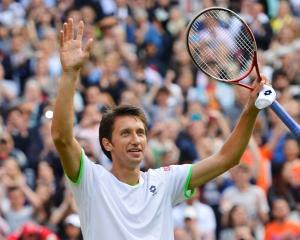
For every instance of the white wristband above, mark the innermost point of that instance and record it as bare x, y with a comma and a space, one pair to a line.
265, 97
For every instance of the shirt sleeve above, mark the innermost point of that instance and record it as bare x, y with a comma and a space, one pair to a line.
83, 186
178, 179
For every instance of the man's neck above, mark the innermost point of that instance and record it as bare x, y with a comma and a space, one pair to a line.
129, 176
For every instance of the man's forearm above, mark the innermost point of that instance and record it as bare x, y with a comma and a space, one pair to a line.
63, 118
235, 145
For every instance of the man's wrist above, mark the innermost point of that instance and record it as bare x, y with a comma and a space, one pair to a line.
70, 71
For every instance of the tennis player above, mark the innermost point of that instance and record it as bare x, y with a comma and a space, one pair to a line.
127, 203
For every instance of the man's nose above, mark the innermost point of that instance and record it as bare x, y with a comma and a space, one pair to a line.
135, 138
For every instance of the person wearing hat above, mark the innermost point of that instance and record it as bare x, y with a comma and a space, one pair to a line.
72, 229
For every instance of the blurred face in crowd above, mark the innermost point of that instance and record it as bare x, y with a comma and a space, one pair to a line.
88, 14
17, 43
12, 168
241, 175
1, 72
162, 98
280, 209
92, 95
6, 144
291, 149
45, 172
15, 119
129, 98
283, 9
238, 216
32, 92
91, 117
16, 198
196, 127
185, 79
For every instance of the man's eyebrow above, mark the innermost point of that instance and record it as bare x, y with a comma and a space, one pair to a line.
132, 129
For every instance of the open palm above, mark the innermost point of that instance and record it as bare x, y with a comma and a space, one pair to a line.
72, 55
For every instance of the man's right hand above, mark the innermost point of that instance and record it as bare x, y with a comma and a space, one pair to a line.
72, 56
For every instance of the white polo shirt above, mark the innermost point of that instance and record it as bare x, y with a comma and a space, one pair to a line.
112, 210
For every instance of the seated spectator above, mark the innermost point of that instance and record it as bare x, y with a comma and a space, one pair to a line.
8, 88
7, 149
280, 227
72, 228
195, 212
237, 217
284, 18
248, 195
17, 126
17, 212
162, 147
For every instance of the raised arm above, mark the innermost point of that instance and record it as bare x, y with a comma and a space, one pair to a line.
72, 57
230, 153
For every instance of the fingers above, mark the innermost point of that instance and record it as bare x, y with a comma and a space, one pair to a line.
80, 31
88, 47
64, 33
258, 86
61, 38
68, 31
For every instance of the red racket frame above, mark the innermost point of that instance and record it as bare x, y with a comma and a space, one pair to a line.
254, 60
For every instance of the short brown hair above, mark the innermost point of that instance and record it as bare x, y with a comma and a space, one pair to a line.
109, 117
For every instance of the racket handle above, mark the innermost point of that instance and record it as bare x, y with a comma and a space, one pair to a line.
286, 118
266, 97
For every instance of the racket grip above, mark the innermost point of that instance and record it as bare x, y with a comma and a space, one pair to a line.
266, 97
286, 118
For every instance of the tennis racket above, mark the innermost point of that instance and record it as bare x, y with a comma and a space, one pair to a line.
222, 45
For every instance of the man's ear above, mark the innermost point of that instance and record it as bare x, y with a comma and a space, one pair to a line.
106, 144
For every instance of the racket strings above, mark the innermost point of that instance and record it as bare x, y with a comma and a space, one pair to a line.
204, 64
230, 61
244, 41
241, 41
205, 56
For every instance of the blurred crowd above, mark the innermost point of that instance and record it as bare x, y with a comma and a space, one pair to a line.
139, 57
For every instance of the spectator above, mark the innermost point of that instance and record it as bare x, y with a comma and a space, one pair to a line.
72, 228
237, 218
280, 226
7, 149
17, 213
250, 196
202, 214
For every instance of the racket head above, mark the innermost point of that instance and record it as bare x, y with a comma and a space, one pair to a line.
222, 45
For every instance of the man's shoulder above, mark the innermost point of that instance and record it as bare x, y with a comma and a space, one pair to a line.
165, 170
